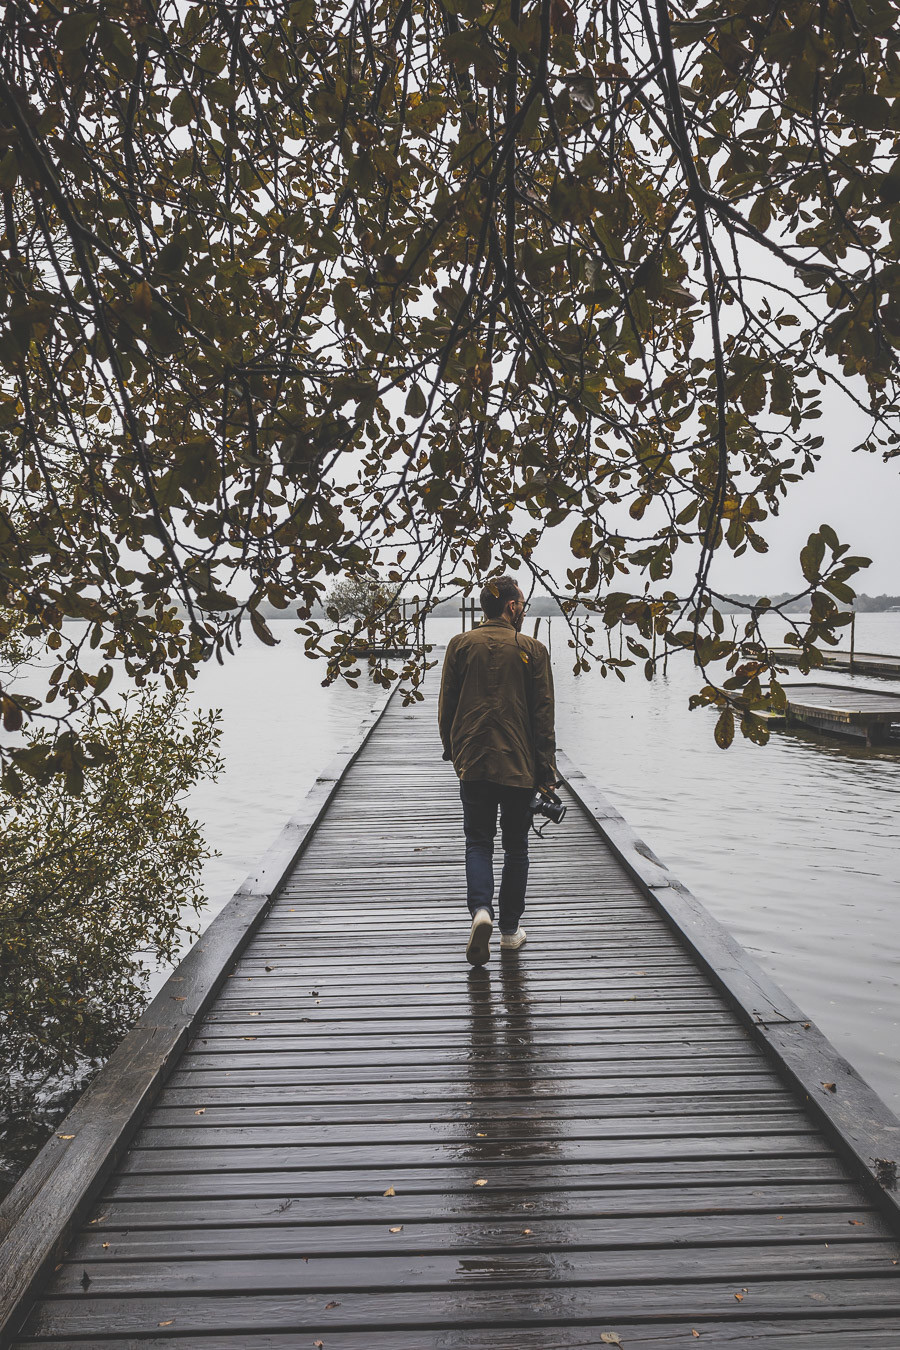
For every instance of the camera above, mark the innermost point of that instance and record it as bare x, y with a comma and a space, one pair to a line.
545, 802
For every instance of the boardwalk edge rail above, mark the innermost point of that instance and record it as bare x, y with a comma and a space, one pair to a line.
859, 1124
51, 1198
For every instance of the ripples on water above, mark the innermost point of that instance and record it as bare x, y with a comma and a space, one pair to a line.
793, 846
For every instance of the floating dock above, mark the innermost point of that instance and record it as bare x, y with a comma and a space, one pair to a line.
855, 663
327, 1131
842, 708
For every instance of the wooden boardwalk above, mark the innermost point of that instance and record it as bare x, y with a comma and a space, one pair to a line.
369, 1146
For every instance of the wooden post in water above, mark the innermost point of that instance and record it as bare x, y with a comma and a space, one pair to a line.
852, 638
537, 626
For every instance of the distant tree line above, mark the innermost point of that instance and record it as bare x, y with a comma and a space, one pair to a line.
862, 604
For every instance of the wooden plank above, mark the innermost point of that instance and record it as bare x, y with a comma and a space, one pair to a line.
41, 1210
526, 1176
749, 1333
398, 1158
556, 1233
522, 1262
744, 1195
532, 1089
192, 1132
516, 1112
309, 1314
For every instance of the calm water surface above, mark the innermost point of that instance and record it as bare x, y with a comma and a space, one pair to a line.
793, 846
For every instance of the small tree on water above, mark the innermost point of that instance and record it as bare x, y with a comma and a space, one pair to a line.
359, 598
97, 887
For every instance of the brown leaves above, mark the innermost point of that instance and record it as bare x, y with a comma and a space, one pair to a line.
562, 18
390, 1191
274, 311
724, 732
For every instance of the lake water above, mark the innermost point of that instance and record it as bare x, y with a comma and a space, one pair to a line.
792, 846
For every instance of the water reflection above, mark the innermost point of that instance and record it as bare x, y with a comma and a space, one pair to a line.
509, 1121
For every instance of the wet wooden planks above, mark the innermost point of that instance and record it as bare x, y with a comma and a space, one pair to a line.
367, 1144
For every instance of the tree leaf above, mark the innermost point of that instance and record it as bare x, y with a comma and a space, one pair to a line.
724, 732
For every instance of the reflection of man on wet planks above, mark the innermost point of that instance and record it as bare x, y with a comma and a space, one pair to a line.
496, 722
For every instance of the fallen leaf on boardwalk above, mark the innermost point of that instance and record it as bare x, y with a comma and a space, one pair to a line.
820, 1298
397, 1230
201, 1111
105, 1245
390, 1191
481, 1136
610, 1338
482, 1181
248, 1038
166, 1324
694, 1331
256, 1014
333, 1304
830, 1087
100, 1218
857, 1223
179, 998
65, 1136
526, 1232
739, 1297
270, 967
318, 1345
85, 1279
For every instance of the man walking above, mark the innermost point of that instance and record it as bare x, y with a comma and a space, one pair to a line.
496, 724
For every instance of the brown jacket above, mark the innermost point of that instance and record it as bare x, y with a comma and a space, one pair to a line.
496, 706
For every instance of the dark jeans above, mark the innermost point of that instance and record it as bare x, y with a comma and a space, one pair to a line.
480, 803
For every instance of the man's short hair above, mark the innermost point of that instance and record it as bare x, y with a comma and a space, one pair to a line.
497, 594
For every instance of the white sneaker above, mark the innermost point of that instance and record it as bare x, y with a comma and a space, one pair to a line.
478, 948
516, 939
